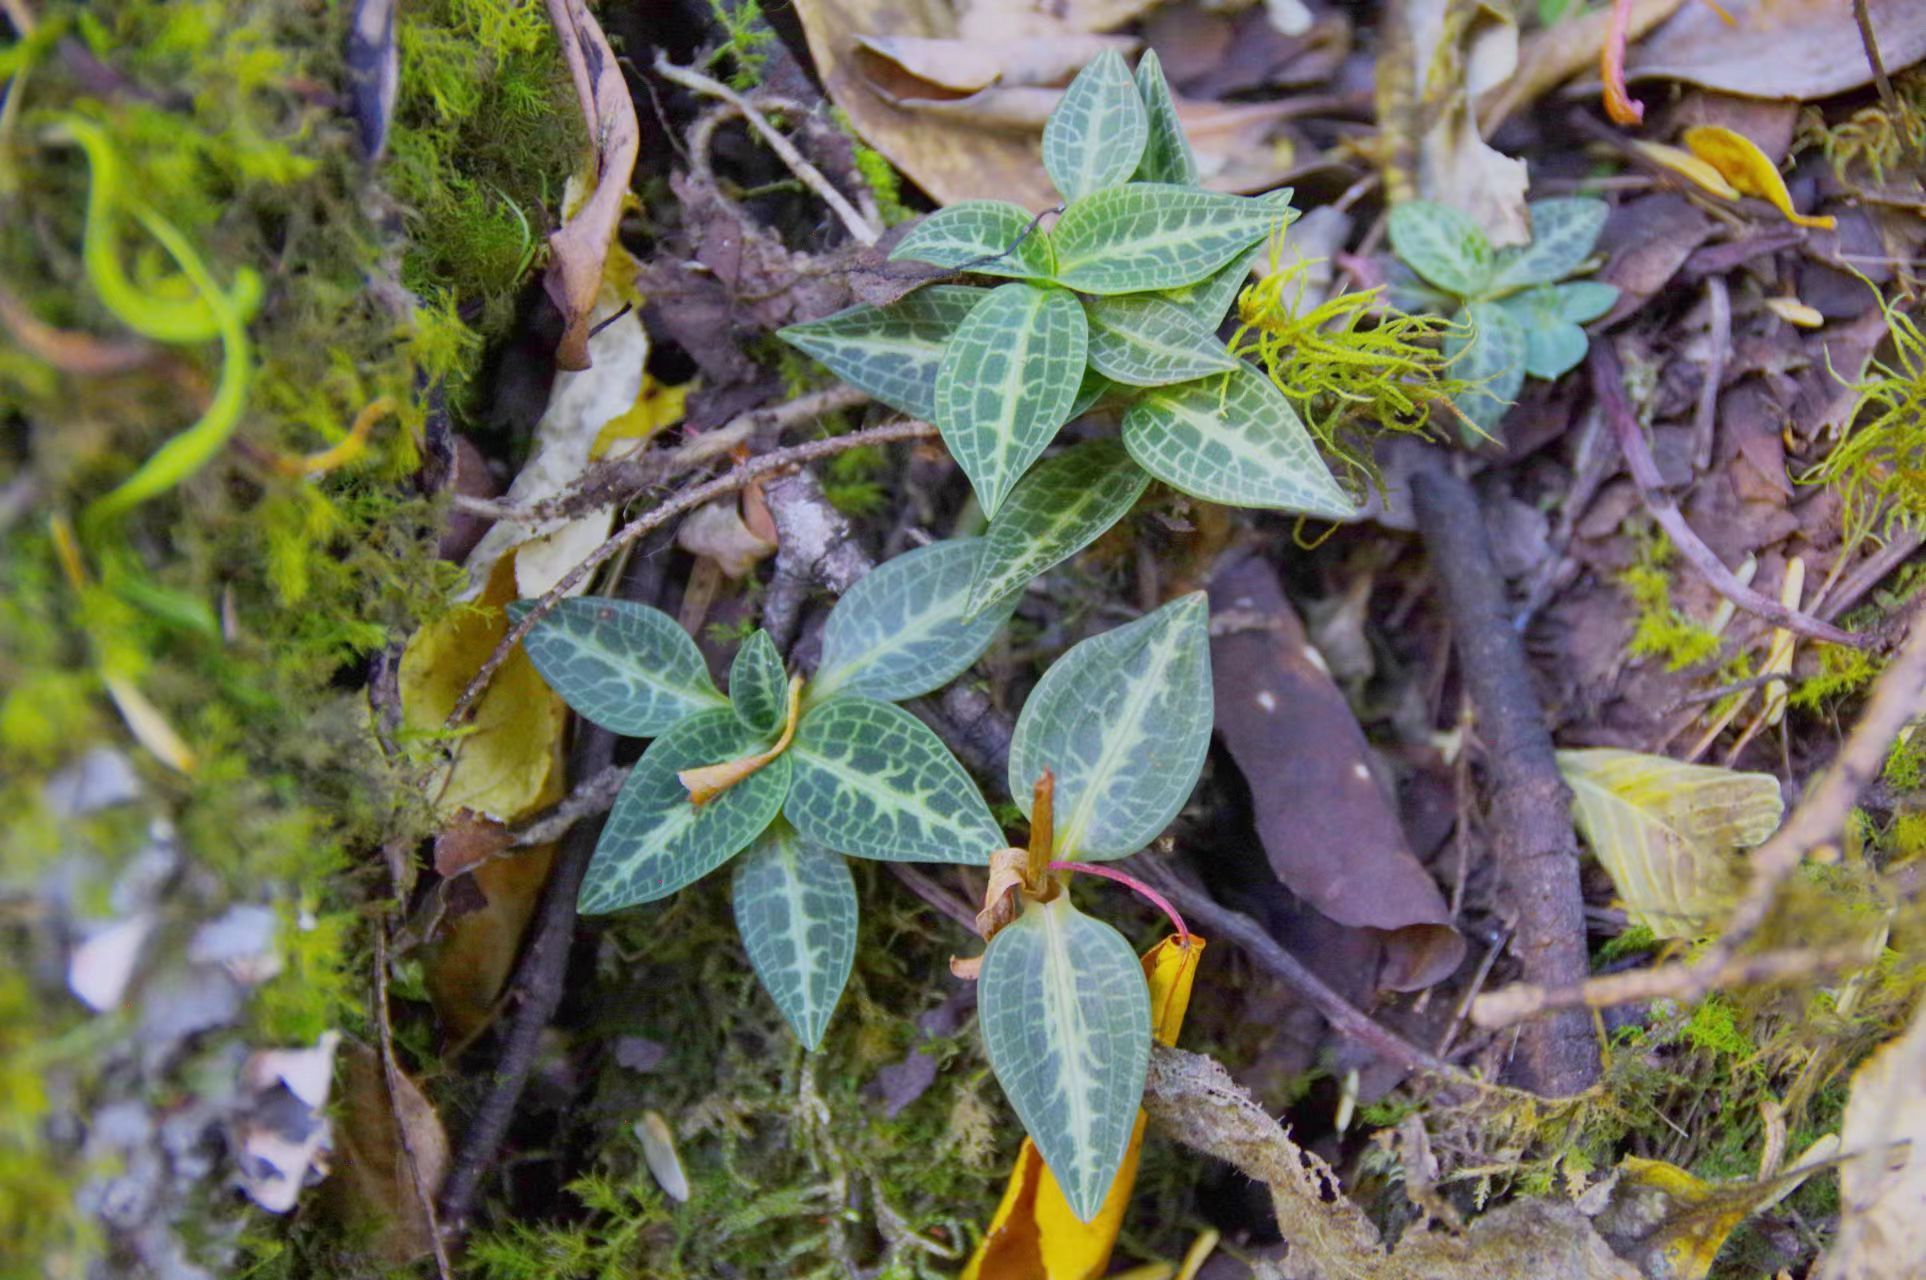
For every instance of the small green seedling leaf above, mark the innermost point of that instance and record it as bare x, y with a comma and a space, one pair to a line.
1562, 235
1007, 382
627, 667
1146, 235
1486, 347
891, 352
1233, 439
873, 781
1552, 343
903, 629
988, 237
795, 905
758, 686
1065, 1014
1123, 721
1097, 133
1167, 154
1063, 505
656, 841
1583, 301
1143, 341
1443, 245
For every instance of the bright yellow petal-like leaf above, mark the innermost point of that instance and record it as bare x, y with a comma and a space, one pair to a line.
1681, 1221
1034, 1235
1687, 165
1668, 832
504, 760
1748, 169
656, 406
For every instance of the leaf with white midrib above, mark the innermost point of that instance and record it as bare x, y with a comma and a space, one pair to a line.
655, 841
758, 685
627, 667
795, 906
1096, 135
1145, 235
890, 352
1061, 507
1233, 439
1065, 1014
1486, 348
873, 781
1144, 341
1209, 300
1122, 720
902, 630
1562, 235
1007, 382
988, 237
1669, 833
1167, 154
1443, 245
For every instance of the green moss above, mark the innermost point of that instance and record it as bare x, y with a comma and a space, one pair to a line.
1661, 629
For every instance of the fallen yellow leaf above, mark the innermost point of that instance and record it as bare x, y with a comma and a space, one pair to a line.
1747, 168
656, 406
1687, 165
1680, 1221
1034, 1235
1795, 312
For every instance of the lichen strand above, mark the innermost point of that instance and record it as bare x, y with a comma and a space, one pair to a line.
236, 599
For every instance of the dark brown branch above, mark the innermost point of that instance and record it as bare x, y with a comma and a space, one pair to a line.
1608, 384
1529, 806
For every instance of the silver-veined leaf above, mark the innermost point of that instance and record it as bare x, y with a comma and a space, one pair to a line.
1007, 382
1148, 235
1582, 301
656, 841
1669, 833
1061, 507
902, 629
1553, 345
1096, 135
873, 781
1123, 721
1144, 341
1486, 348
1093, 387
1233, 439
1065, 1013
1443, 245
891, 352
989, 237
1209, 300
1167, 154
795, 905
1562, 235
758, 686
627, 667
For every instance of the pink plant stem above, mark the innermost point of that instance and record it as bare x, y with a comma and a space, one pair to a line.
1135, 885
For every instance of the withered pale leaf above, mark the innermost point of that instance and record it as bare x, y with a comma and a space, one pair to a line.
1882, 1187
961, 66
1795, 49
374, 1188
1669, 832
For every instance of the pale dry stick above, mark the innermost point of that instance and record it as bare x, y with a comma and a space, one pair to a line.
590, 797
391, 1078
620, 479
1898, 698
811, 177
1608, 385
655, 517
1705, 418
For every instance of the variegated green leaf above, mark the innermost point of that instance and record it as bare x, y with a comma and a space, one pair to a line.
627, 667
1148, 235
1007, 382
873, 781
1486, 348
1582, 301
902, 629
1065, 1013
891, 352
1096, 135
1061, 507
1443, 245
1562, 235
1167, 153
795, 905
1143, 341
989, 237
1209, 300
1091, 389
1122, 720
1668, 832
758, 686
656, 841
1233, 439
1553, 345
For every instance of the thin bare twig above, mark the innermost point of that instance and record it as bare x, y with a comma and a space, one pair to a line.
936, 895
689, 78
1608, 385
1898, 698
1869, 38
1705, 418
590, 797
654, 518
